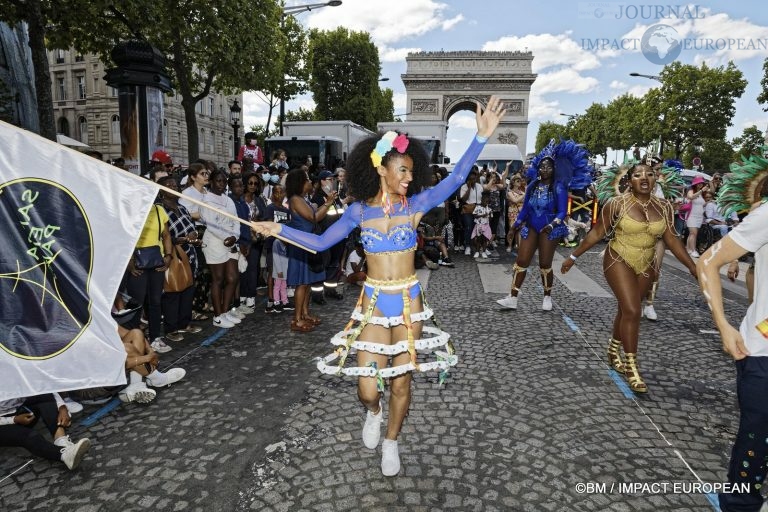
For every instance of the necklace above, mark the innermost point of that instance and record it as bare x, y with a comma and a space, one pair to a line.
644, 206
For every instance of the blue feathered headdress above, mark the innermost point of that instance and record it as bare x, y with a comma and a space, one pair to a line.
572, 167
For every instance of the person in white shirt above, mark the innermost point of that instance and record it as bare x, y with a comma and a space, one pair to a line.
714, 219
748, 345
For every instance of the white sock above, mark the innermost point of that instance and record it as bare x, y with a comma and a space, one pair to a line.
61, 441
135, 378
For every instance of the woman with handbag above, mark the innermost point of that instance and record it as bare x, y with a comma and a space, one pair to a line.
304, 268
146, 271
179, 289
469, 197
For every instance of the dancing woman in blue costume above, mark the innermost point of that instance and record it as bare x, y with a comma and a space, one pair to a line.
388, 176
541, 224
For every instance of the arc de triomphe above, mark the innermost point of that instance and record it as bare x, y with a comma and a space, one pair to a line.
439, 84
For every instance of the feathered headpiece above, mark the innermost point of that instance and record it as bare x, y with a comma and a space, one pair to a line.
744, 186
670, 179
572, 167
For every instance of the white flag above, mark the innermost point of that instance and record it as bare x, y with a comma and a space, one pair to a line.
68, 225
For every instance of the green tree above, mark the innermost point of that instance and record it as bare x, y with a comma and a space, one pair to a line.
697, 103
203, 47
591, 129
549, 130
749, 143
624, 118
345, 78
762, 98
716, 154
293, 61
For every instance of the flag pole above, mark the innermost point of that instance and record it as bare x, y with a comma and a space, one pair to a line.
205, 205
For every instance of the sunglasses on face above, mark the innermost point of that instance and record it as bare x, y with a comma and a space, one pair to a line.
254, 183
204, 173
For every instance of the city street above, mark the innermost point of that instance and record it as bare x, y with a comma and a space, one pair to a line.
531, 419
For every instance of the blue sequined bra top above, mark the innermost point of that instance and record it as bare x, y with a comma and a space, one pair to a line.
399, 238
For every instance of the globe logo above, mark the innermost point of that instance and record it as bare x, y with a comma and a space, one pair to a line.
661, 44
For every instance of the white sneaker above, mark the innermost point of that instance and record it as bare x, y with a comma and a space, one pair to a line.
138, 392
236, 313
167, 378
232, 318
476, 255
372, 428
485, 254
245, 309
251, 302
650, 313
508, 302
73, 453
72, 406
467, 251
390, 458
546, 304
222, 321
160, 346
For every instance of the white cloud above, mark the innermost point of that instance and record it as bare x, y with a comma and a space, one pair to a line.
548, 50
388, 21
564, 80
387, 54
541, 109
616, 84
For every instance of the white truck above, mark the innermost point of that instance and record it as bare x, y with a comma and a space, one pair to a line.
431, 133
350, 133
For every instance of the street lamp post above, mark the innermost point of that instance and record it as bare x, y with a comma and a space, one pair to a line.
234, 117
663, 117
570, 117
288, 11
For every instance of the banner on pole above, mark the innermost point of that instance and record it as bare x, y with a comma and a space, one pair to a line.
69, 225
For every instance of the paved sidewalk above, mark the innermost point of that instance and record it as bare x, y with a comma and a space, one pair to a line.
530, 412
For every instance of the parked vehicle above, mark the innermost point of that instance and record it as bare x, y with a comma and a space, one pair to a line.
348, 132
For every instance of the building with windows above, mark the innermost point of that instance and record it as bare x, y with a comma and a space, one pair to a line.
86, 109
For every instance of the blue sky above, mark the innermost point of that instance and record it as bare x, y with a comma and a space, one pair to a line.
571, 74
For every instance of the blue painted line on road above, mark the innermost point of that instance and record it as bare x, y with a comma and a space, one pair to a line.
569, 321
210, 340
106, 409
712, 498
619, 381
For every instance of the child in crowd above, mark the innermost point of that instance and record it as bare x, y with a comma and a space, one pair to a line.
481, 233
275, 212
279, 275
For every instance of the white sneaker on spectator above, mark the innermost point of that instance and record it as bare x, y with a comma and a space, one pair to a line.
222, 321
390, 458
546, 304
372, 428
476, 255
72, 453
485, 254
158, 379
160, 346
245, 310
137, 392
174, 336
231, 317
236, 313
72, 406
509, 302
650, 313
467, 251
251, 302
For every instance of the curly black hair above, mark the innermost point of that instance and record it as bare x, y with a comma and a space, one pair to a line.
363, 182
294, 183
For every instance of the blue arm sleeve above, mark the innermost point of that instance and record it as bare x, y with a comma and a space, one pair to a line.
333, 235
561, 199
428, 199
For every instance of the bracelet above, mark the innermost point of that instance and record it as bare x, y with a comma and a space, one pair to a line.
572, 257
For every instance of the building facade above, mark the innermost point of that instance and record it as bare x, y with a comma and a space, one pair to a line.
86, 109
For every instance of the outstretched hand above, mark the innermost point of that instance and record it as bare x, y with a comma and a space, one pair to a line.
488, 119
266, 228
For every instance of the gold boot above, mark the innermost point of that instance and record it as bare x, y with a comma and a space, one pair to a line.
632, 374
614, 355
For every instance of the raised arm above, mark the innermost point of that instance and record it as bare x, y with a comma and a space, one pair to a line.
334, 234
487, 121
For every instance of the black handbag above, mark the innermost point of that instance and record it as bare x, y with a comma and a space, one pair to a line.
149, 258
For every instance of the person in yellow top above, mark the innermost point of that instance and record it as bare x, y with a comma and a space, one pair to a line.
141, 282
633, 220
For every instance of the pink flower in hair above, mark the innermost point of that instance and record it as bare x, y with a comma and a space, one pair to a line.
400, 143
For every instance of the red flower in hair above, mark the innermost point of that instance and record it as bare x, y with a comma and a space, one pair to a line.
400, 143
